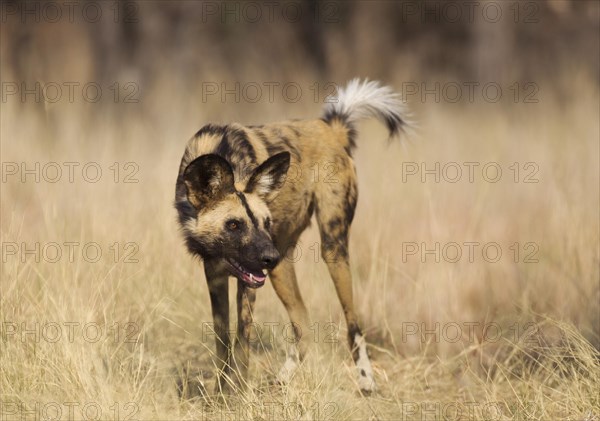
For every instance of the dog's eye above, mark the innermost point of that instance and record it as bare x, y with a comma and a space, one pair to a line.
232, 225
267, 223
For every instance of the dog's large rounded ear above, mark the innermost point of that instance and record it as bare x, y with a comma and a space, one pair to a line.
269, 177
208, 178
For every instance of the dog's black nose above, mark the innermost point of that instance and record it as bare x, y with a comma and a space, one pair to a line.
269, 258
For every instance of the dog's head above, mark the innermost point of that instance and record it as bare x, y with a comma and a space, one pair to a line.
233, 225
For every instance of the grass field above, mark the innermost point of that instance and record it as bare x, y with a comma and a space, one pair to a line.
105, 315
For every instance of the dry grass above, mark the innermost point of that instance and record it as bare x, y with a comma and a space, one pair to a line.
541, 371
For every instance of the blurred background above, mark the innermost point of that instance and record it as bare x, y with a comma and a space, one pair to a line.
179, 45
120, 86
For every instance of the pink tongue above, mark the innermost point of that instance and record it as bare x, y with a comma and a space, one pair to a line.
254, 278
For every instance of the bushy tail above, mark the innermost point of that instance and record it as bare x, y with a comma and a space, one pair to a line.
364, 99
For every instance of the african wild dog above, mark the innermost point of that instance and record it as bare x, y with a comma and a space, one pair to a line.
239, 214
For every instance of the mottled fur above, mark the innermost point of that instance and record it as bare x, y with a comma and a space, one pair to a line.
321, 179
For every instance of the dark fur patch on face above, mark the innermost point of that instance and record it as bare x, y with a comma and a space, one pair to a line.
248, 210
195, 247
185, 211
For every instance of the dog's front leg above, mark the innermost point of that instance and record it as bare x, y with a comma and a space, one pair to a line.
218, 287
245, 308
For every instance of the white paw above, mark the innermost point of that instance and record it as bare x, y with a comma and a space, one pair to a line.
366, 380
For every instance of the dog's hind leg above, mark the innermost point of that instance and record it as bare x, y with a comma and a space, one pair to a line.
340, 273
334, 212
283, 278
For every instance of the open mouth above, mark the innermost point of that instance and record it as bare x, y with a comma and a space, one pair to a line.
252, 278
